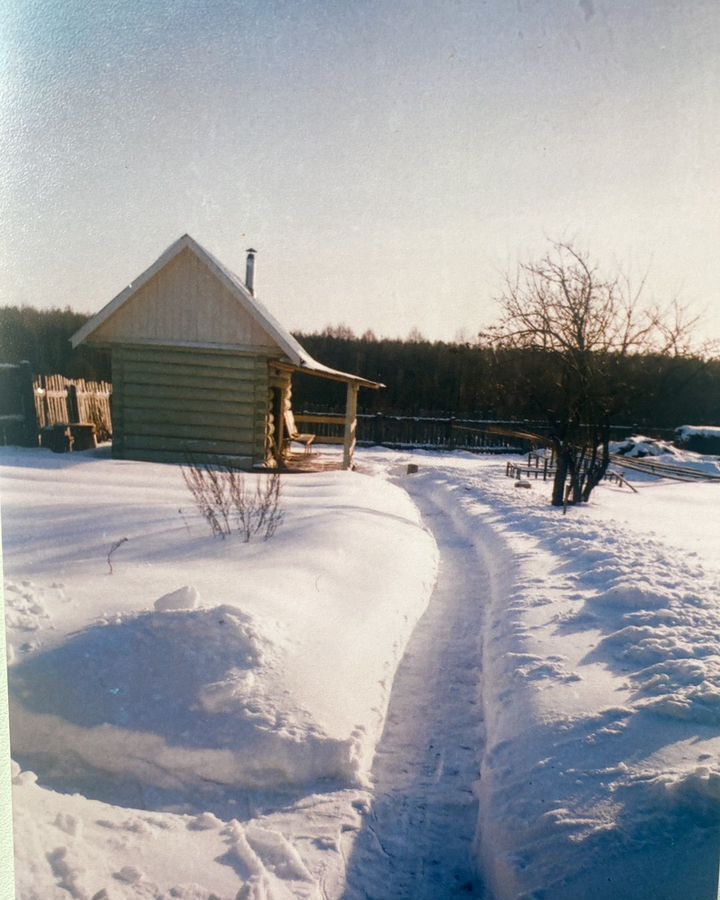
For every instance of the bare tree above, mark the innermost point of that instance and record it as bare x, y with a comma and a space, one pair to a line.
581, 327
227, 504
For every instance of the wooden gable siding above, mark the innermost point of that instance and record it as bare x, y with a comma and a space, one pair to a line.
183, 303
172, 402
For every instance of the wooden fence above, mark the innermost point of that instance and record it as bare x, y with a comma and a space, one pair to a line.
426, 432
60, 400
444, 432
539, 465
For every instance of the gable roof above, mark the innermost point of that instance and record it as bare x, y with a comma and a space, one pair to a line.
297, 356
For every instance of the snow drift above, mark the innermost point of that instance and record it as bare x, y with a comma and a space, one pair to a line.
271, 666
173, 699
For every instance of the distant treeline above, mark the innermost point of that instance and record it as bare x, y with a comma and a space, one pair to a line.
422, 377
467, 380
42, 337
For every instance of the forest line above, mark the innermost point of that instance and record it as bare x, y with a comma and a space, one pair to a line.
423, 377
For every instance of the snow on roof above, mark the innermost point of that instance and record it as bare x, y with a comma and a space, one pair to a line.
299, 358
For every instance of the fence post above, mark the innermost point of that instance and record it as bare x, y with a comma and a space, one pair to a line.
451, 433
42, 381
378, 429
73, 410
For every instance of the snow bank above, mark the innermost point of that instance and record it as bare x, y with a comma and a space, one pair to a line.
198, 661
601, 688
664, 453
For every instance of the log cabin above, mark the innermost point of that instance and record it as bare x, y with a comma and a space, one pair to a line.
201, 369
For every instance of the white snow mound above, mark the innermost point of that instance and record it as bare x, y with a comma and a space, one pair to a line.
170, 699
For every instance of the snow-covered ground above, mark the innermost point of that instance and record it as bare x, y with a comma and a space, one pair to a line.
208, 719
204, 681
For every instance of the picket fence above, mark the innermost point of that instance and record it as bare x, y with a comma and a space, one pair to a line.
60, 400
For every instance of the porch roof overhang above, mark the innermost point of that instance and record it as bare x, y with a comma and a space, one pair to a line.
310, 366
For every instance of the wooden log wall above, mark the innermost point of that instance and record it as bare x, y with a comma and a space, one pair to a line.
171, 404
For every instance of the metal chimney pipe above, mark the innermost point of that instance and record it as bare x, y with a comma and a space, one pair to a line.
250, 271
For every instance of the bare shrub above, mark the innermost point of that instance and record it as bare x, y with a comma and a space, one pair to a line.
227, 504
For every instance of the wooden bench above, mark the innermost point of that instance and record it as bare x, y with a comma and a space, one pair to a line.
294, 435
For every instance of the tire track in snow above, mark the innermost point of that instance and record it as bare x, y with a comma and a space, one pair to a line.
417, 840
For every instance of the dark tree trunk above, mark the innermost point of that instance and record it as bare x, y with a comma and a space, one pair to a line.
599, 464
561, 471
574, 465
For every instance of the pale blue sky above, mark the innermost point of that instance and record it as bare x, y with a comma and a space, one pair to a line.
388, 160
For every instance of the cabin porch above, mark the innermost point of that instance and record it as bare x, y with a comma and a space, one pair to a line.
315, 461
288, 430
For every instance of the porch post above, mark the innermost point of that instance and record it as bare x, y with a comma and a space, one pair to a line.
350, 424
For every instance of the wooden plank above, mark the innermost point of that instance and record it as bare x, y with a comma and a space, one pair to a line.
179, 368
262, 406
118, 407
220, 408
188, 356
200, 418
350, 425
172, 397
149, 372
328, 439
134, 442
186, 374
238, 461
133, 392
180, 348
186, 379
305, 418
241, 432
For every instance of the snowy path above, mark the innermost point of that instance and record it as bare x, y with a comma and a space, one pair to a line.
417, 840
